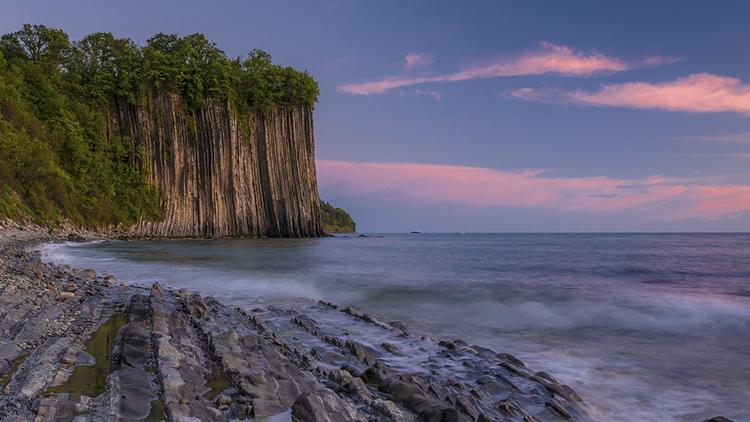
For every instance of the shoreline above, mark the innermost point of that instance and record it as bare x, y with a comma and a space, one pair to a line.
176, 355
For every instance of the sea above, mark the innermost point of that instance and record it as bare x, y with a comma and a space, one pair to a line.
644, 326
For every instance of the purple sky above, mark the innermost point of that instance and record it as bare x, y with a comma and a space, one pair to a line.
496, 116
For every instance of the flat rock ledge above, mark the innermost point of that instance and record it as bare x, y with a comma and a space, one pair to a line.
76, 346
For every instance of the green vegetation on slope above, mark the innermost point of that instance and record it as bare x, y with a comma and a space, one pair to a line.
55, 158
336, 220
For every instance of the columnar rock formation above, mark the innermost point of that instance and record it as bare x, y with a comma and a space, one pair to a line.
223, 173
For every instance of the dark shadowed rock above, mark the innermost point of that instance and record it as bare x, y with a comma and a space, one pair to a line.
75, 237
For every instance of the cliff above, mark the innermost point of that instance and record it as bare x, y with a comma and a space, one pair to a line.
222, 173
170, 139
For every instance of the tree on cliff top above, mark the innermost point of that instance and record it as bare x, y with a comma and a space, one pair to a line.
55, 158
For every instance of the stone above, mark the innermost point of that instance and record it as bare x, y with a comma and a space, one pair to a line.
510, 358
75, 237
239, 412
364, 353
391, 348
223, 399
389, 409
323, 406
32, 263
87, 274
66, 295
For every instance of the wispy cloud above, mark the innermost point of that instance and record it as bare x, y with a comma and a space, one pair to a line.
697, 93
548, 58
740, 155
655, 198
437, 96
415, 60
729, 138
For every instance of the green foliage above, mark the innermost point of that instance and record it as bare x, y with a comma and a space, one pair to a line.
56, 160
37, 43
336, 220
265, 84
191, 66
105, 67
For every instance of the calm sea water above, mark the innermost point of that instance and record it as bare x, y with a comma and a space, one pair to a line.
644, 326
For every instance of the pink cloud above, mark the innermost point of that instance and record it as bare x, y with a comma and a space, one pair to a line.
654, 197
548, 58
414, 60
698, 93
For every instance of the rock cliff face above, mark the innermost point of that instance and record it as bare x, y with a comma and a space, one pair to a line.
223, 173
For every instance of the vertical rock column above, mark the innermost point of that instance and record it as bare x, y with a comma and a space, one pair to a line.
221, 174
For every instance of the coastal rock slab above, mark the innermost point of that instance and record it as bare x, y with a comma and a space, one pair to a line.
323, 406
180, 356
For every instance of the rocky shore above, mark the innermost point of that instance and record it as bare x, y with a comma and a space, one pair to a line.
75, 346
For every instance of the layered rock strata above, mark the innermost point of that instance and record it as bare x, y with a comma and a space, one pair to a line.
158, 353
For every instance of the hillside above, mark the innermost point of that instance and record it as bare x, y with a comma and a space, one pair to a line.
336, 220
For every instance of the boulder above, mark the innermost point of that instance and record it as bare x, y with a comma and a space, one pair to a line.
110, 281
223, 400
87, 274
323, 406
75, 237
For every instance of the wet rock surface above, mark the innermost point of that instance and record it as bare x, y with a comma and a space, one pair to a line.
155, 353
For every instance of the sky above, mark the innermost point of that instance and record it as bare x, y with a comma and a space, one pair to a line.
533, 116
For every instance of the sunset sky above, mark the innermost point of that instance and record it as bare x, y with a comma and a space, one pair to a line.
495, 116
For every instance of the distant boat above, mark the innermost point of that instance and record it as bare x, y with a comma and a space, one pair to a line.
415, 232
